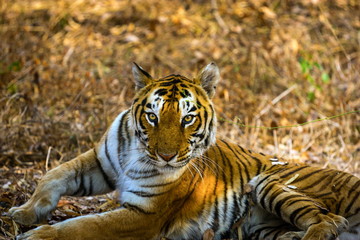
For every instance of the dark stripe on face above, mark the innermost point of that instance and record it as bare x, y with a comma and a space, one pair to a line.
161, 92
169, 83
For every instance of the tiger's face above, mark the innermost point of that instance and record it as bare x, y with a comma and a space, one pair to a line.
173, 116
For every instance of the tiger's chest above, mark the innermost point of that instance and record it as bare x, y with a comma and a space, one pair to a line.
147, 187
217, 214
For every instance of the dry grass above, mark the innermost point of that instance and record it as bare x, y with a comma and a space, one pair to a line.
65, 74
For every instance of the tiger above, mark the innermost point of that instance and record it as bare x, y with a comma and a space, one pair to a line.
176, 180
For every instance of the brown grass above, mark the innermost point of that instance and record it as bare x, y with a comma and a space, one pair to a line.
65, 74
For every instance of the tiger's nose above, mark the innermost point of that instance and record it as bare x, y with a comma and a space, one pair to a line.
167, 156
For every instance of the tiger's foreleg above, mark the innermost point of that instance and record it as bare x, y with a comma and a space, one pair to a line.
80, 176
118, 224
298, 209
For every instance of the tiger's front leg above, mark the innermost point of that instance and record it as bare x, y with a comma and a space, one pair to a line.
118, 224
80, 176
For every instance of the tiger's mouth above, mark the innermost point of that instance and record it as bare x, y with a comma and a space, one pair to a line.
176, 161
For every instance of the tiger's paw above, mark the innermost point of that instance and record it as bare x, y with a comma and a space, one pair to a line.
23, 215
32, 212
331, 226
43, 232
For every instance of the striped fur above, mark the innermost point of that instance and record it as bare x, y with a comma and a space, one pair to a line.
175, 180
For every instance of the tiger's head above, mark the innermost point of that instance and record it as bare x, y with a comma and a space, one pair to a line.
173, 117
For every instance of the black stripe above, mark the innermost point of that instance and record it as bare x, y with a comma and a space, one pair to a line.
258, 164
136, 208
146, 194
81, 186
306, 176
280, 203
266, 192
120, 137
85, 193
295, 213
108, 155
258, 231
304, 213
217, 178
354, 187
236, 209
215, 222
224, 159
270, 232
297, 169
317, 182
301, 200
90, 186
351, 204
342, 181
272, 199
338, 206
159, 185
245, 167
323, 194
109, 183
143, 174
262, 180
277, 234
354, 213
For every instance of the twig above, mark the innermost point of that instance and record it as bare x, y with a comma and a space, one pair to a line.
276, 100
47, 159
218, 18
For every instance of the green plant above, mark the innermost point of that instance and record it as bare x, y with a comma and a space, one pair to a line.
310, 70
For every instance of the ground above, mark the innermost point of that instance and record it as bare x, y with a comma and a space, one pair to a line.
65, 73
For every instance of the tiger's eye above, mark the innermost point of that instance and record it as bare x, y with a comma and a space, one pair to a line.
187, 119
152, 118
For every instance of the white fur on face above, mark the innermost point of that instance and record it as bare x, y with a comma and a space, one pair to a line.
157, 103
186, 104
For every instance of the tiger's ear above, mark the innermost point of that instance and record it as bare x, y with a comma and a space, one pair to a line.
141, 77
208, 78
